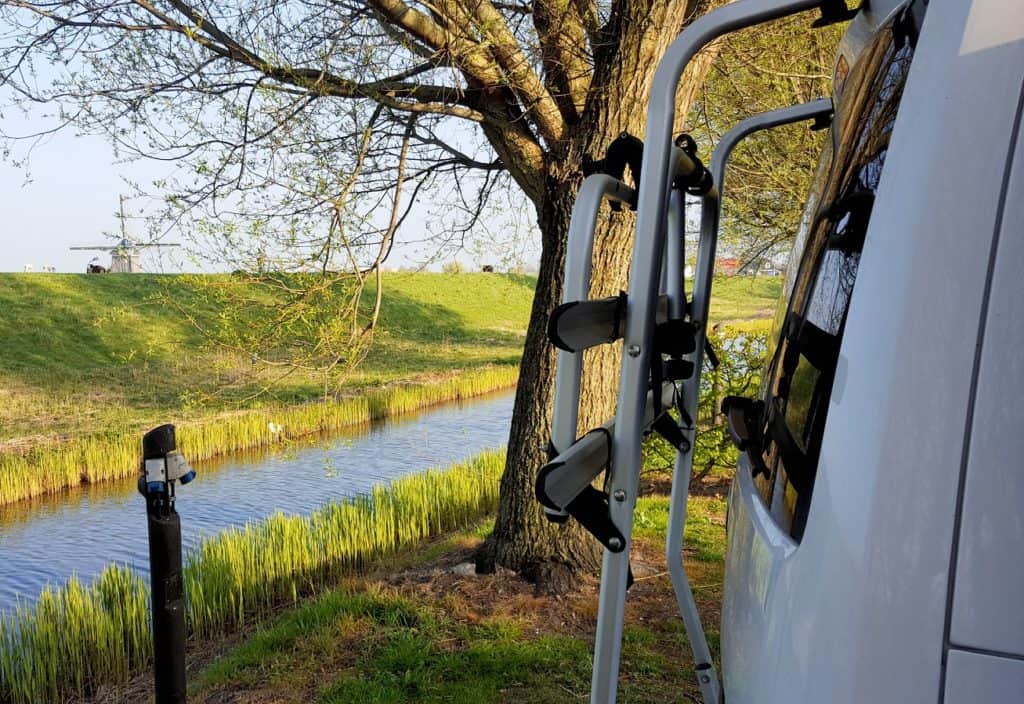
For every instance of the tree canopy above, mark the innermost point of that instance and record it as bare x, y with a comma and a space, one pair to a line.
761, 69
307, 129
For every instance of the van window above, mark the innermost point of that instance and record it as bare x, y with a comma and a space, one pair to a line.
798, 382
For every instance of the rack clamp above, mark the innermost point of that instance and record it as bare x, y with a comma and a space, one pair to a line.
565, 484
625, 150
835, 11
699, 181
745, 418
672, 340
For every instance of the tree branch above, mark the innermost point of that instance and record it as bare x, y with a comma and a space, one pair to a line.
536, 100
567, 68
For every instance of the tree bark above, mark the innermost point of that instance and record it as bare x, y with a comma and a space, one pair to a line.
554, 555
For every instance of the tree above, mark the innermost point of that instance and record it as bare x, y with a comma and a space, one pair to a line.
266, 101
770, 172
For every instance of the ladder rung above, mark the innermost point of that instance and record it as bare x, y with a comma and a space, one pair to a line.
578, 325
563, 479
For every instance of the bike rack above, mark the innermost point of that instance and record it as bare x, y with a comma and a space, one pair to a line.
656, 276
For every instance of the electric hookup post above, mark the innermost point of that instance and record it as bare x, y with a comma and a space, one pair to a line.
162, 466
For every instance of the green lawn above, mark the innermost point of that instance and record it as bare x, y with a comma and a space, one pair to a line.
744, 297
87, 354
95, 353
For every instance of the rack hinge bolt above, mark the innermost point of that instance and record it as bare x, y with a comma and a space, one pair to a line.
614, 543
634, 350
619, 495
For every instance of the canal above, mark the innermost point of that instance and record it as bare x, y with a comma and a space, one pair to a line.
48, 539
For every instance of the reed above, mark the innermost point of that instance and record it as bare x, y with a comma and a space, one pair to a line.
76, 638
55, 466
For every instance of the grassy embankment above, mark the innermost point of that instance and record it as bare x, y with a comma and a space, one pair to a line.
89, 362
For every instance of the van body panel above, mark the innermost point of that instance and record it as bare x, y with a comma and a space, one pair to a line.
857, 611
989, 587
757, 540
973, 678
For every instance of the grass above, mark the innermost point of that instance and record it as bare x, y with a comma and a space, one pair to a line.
406, 652
426, 636
77, 638
86, 354
704, 523
744, 297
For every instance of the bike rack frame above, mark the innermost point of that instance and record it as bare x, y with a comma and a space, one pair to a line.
652, 201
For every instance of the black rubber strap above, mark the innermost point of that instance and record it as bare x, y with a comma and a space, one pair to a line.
710, 353
665, 426
625, 150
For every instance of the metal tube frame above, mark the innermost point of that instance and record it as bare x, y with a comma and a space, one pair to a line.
707, 678
659, 163
578, 262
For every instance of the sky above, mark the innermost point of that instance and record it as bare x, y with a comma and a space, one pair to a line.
67, 195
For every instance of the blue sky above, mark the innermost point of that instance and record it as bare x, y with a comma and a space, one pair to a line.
68, 195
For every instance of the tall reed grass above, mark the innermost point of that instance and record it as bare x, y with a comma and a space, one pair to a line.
77, 638
52, 467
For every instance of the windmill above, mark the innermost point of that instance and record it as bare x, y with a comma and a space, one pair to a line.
125, 254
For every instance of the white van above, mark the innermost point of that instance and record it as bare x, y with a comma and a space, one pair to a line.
876, 529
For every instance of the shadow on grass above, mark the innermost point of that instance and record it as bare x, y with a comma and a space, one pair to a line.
407, 318
384, 648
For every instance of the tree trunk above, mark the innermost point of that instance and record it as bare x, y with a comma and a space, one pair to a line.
553, 555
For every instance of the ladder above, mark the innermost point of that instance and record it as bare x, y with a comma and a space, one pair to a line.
655, 321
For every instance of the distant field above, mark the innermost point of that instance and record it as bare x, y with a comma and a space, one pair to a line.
744, 297
87, 354
92, 353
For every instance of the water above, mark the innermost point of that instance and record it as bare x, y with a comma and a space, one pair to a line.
82, 531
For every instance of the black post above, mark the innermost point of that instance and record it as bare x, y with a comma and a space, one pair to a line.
165, 568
